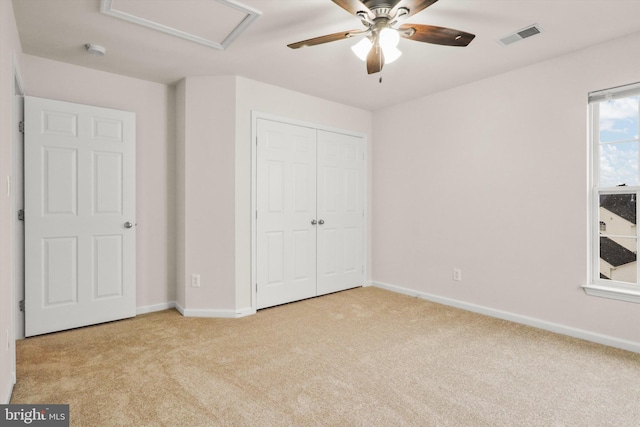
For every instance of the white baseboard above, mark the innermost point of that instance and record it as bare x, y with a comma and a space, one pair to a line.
518, 318
155, 307
179, 308
222, 314
7, 398
247, 311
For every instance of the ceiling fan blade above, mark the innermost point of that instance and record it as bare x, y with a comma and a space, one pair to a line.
435, 35
352, 6
375, 59
414, 6
325, 39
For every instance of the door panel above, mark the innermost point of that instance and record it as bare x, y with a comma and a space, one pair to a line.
341, 207
79, 193
286, 252
107, 266
107, 181
60, 267
60, 181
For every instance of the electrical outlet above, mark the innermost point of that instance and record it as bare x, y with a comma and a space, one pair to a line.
457, 274
195, 280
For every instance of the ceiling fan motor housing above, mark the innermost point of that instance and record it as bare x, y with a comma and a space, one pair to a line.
376, 4
381, 13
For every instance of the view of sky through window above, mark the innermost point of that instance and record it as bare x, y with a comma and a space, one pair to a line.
619, 149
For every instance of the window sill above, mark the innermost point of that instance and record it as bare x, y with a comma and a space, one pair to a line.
628, 295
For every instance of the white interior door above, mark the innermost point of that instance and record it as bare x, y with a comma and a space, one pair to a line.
79, 215
286, 203
340, 212
310, 212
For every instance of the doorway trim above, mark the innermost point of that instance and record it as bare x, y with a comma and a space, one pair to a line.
255, 116
17, 261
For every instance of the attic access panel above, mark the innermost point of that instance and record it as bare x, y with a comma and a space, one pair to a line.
213, 23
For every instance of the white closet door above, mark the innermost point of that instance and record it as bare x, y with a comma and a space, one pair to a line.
80, 239
340, 212
286, 204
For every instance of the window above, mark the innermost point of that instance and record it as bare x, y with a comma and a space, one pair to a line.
615, 186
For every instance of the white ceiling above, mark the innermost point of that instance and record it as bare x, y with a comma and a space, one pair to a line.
58, 29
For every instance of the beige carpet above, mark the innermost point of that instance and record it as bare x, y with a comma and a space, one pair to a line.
364, 357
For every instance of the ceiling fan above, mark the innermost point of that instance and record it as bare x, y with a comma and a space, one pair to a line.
382, 19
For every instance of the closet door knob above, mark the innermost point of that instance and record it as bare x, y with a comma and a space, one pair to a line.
321, 222
314, 222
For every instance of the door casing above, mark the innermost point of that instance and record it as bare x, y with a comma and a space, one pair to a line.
17, 200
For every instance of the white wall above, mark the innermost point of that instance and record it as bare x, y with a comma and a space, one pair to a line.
214, 181
205, 195
154, 105
491, 177
9, 48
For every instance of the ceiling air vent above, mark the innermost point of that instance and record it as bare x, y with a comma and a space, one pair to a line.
522, 34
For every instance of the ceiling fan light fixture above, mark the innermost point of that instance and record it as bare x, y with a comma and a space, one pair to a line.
389, 38
362, 48
391, 54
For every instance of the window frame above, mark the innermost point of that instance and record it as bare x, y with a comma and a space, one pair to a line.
597, 286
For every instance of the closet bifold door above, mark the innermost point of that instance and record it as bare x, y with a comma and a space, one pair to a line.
286, 204
310, 212
340, 208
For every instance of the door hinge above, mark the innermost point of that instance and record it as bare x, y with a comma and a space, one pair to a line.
21, 127
20, 215
21, 305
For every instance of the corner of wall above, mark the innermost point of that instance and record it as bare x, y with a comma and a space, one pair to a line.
206, 216
180, 191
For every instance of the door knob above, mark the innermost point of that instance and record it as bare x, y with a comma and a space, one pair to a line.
321, 222
128, 224
314, 222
